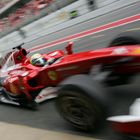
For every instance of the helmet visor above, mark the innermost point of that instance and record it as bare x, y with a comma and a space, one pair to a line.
39, 62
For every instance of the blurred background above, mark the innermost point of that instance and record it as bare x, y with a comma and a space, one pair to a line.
17, 13
23, 18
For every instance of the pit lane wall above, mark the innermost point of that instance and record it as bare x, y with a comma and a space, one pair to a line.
62, 19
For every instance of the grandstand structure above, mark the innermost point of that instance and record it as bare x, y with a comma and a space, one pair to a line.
15, 14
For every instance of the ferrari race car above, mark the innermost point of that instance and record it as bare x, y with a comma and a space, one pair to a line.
77, 79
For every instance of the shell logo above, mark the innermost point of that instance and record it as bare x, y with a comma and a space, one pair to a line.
52, 75
136, 51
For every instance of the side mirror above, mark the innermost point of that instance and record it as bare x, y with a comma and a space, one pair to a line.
69, 48
19, 46
24, 52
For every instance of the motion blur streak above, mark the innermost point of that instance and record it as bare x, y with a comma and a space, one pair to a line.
111, 25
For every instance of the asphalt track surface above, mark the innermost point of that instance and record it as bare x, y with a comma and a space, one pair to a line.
46, 117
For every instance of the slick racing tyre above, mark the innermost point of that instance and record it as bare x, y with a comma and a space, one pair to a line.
126, 38
81, 101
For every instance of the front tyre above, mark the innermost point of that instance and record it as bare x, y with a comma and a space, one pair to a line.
82, 104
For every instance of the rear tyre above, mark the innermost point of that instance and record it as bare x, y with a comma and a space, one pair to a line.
81, 101
126, 38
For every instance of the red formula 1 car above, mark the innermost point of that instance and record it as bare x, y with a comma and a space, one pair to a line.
77, 79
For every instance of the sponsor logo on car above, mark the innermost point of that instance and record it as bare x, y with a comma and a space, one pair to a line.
67, 68
136, 51
52, 75
121, 50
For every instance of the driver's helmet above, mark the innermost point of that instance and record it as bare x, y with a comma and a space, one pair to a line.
37, 60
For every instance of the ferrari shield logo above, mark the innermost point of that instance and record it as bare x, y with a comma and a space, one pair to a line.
136, 51
52, 75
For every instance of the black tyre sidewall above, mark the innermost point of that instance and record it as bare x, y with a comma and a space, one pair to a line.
126, 38
93, 98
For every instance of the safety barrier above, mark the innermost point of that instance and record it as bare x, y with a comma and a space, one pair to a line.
60, 20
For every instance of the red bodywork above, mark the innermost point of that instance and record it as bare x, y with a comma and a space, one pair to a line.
126, 124
29, 80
